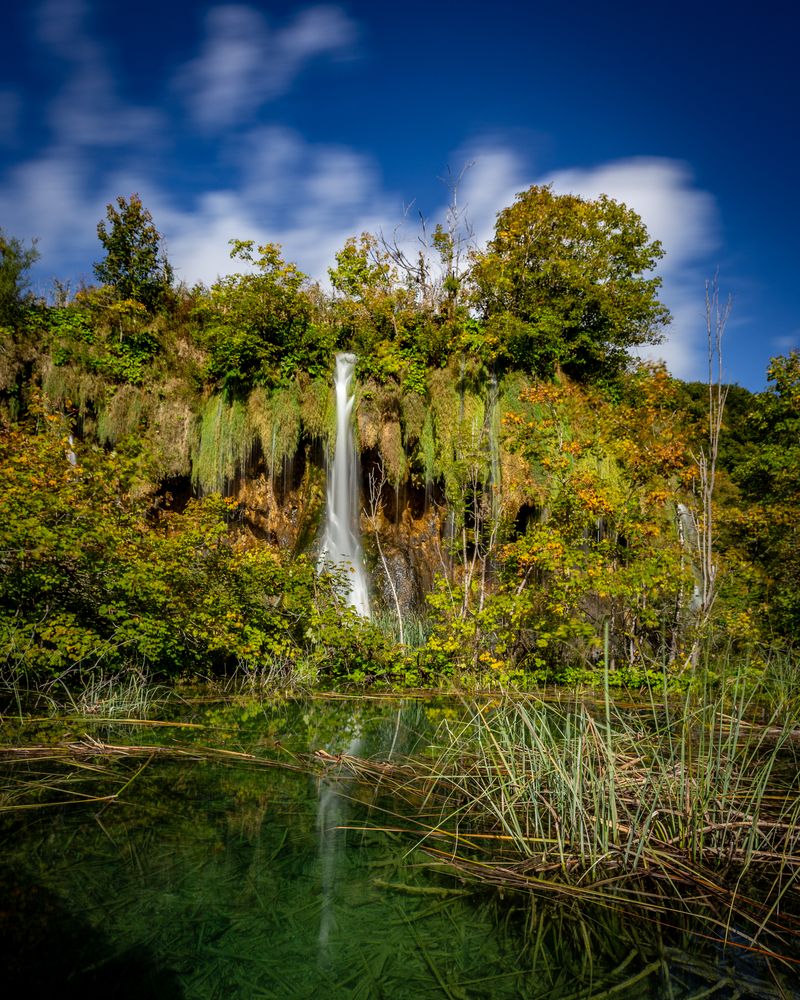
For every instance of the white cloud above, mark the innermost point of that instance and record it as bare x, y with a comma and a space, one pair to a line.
274, 186
787, 343
309, 198
315, 31
45, 198
277, 186
88, 111
244, 63
60, 27
662, 192
495, 175
684, 219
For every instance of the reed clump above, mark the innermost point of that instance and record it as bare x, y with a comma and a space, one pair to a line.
670, 806
577, 791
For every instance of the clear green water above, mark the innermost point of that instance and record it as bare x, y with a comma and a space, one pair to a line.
231, 878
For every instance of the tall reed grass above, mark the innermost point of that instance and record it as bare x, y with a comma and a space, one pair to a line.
665, 805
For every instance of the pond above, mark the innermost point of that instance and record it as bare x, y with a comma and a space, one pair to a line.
210, 857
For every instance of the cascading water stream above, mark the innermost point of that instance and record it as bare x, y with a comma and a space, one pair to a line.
341, 543
687, 533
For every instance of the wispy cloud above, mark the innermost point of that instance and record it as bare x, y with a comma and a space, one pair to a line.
60, 26
10, 115
88, 110
244, 63
307, 197
494, 174
787, 343
277, 185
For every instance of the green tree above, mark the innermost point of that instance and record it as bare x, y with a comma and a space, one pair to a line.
136, 265
257, 326
766, 517
380, 314
563, 284
15, 261
91, 580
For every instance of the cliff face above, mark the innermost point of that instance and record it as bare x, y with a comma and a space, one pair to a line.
404, 538
536, 486
284, 510
403, 529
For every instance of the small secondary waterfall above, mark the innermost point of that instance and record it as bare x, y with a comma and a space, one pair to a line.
341, 544
687, 532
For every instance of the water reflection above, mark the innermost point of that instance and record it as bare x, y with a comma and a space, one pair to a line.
226, 876
331, 812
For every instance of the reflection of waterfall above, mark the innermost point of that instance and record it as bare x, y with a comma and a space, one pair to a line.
341, 543
331, 810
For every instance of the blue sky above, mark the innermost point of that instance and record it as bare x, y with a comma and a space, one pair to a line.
305, 124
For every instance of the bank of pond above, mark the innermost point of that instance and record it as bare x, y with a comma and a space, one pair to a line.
250, 844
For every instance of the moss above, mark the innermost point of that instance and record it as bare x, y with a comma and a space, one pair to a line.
312, 492
510, 390
414, 408
461, 451
68, 387
318, 409
426, 449
519, 488
392, 454
286, 427
259, 415
9, 362
225, 445
274, 420
122, 415
174, 431
368, 414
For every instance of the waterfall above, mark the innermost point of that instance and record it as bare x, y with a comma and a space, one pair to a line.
687, 533
341, 543
493, 422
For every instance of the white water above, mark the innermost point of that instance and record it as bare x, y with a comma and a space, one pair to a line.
331, 815
687, 532
341, 543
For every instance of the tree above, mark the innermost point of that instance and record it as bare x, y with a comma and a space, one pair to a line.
136, 264
563, 284
15, 261
257, 326
716, 319
766, 520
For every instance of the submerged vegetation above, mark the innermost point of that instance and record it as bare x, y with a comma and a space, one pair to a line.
662, 810
647, 848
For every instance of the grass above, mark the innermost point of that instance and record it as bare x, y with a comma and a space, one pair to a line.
130, 694
672, 807
416, 627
